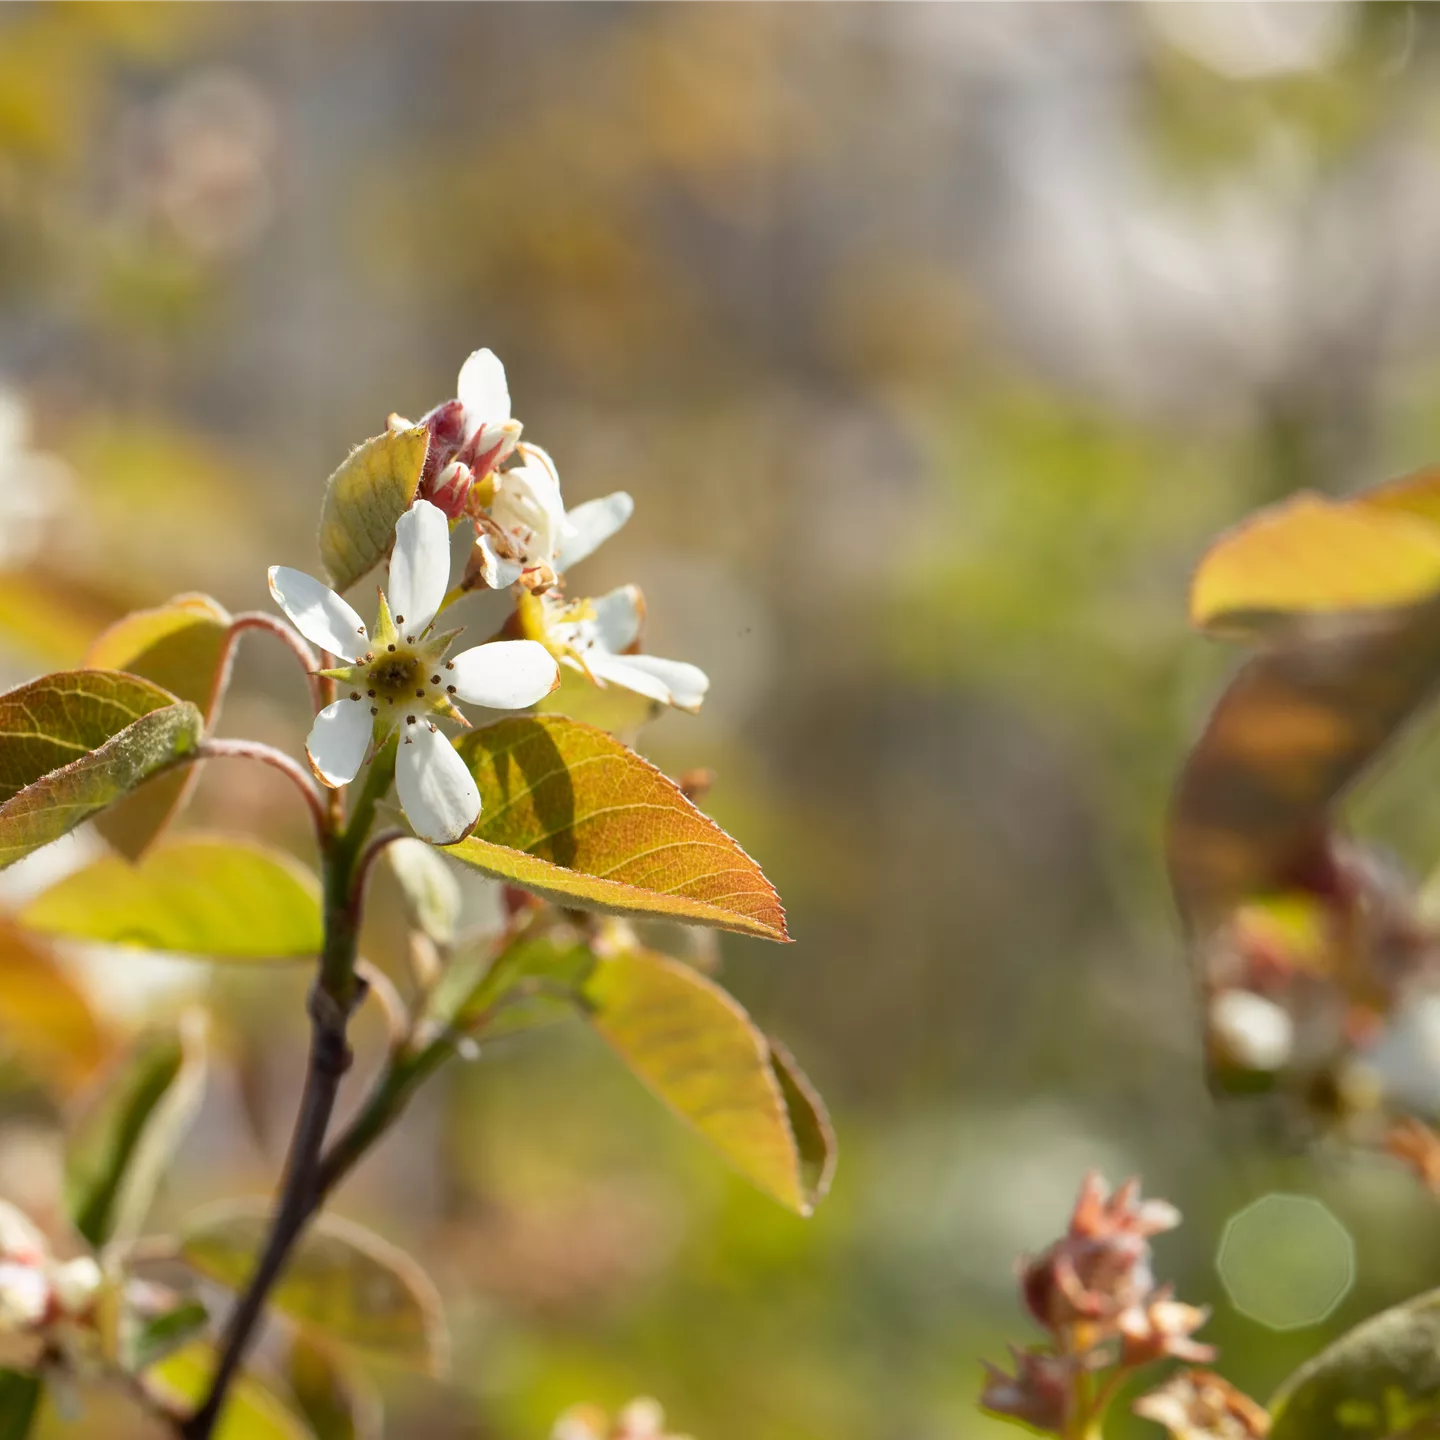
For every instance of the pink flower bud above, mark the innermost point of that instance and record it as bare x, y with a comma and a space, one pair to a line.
451, 489
1040, 1392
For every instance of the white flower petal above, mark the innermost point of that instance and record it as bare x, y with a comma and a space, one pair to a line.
318, 613
24, 1297
437, 792
504, 675
671, 681
528, 508
589, 526
419, 567
617, 618
482, 390
495, 570
338, 741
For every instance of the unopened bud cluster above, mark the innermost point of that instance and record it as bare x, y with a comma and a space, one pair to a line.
1094, 1294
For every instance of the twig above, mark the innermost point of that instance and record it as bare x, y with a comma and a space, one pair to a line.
259, 620
277, 760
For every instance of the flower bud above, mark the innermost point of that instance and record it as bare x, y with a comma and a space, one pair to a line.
1040, 1392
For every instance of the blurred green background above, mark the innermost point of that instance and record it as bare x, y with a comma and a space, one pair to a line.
934, 342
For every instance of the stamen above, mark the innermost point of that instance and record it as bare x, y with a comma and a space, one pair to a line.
389, 647
369, 656
374, 709
399, 619
449, 689
354, 694
409, 719
419, 694
434, 679
449, 664
370, 693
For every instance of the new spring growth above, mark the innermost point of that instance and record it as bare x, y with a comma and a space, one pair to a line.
1094, 1294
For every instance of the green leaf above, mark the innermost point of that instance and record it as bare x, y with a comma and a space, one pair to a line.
343, 1281
184, 647
338, 1402
119, 1148
182, 1380
74, 742
575, 816
19, 1403
162, 1335
1380, 1379
364, 498
210, 895
694, 1046
45, 1018
429, 887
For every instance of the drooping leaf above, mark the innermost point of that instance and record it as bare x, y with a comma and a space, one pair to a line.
336, 1399
809, 1123
364, 498
344, 1281
430, 889
223, 897
694, 1046
1379, 1380
45, 1018
20, 1397
1301, 720
252, 1412
162, 1335
184, 647
77, 741
572, 814
1310, 555
119, 1148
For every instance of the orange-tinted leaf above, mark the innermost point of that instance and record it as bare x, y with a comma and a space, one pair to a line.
73, 743
45, 1018
183, 646
698, 1050
1299, 722
572, 814
1311, 555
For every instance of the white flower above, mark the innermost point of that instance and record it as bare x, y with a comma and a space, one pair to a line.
596, 637
469, 436
526, 534
399, 677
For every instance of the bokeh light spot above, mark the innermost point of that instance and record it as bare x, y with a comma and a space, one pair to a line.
1286, 1261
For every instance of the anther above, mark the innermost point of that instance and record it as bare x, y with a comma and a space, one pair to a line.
449, 664
399, 619
419, 694
389, 647
449, 689
434, 679
354, 694
370, 693
374, 709
409, 719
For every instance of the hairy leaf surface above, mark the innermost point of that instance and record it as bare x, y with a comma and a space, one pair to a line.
184, 647
364, 498
77, 741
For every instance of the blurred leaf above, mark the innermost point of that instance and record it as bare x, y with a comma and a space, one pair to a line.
73, 743
575, 816
614, 708
41, 620
222, 897
184, 647
809, 1124
528, 982
694, 1046
19, 1403
119, 1148
343, 1280
1380, 1379
338, 1403
156, 1338
364, 498
1294, 728
430, 889
44, 1016
253, 1412
1312, 554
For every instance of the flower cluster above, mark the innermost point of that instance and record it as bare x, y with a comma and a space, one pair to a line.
399, 679
46, 1305
639, 1420
1094, 1293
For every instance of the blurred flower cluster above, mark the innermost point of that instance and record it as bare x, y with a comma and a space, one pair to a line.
639, 1420
1094, 1294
